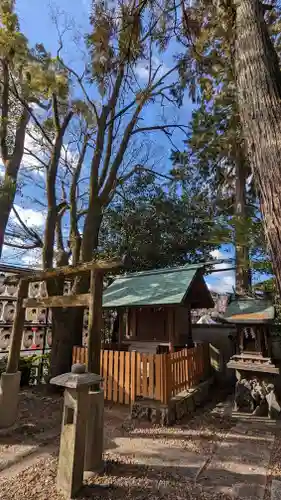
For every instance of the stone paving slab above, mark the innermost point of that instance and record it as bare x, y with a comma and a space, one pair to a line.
149, 452
27, 461
275, 490
239, 465
15, 454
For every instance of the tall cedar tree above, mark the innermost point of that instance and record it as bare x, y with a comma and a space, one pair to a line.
256, 78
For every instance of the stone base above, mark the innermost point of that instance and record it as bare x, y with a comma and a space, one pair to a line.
180, 405
93, 462
9, 395
258, 394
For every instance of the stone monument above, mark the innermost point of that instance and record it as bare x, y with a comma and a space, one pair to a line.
258, 387
74, 427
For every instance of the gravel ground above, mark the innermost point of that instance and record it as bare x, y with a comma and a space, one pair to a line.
38, 412
275, 464
120, 480
122, 477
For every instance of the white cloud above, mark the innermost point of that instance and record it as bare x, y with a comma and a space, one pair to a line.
20, 257
32, 258
142, 68
31, 217
221, 281
216, 254
29, 162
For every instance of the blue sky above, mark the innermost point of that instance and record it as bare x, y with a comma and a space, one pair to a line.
37, 25
35, 18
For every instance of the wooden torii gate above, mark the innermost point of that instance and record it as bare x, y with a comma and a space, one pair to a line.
92, 300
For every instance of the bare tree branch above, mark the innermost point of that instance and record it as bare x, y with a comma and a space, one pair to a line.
56, 112
21, 246
5, 110
29, 231
15, 92
159, 127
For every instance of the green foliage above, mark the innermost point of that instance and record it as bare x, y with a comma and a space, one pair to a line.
123, 34
30, 367
33, 74
25, 367
157, 227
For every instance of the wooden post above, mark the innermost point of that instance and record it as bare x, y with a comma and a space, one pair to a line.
14, 353
121, 329
133, 332
171, 332
190, 342
166, 375
95, 321
133, 376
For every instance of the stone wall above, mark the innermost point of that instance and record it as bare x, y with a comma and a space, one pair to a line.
184, 403
222, 347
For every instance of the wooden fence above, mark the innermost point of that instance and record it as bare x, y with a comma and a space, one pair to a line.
155, 376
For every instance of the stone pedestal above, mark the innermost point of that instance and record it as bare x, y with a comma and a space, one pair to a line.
94, 440
9, 396
72, 442
74, 427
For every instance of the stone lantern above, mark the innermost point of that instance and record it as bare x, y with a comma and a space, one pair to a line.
77, 405
258, 388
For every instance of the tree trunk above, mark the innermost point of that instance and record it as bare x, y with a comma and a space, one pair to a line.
82, 284
241, 246
67, 326
7, 197
259, 89
61, 352
62, 342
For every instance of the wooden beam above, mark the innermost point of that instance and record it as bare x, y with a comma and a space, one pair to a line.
17, 330
59, 301
95, 322
65, 271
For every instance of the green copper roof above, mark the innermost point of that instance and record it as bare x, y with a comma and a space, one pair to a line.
156, 287
250, 310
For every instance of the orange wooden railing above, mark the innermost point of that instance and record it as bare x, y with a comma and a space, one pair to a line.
155, 376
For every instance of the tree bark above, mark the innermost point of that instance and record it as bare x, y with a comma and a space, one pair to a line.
258, 91
241, 246
12, 165
67, 326
62, 343
82, 284
7, 197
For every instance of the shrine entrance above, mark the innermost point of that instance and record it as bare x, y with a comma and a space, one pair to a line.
10, 380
